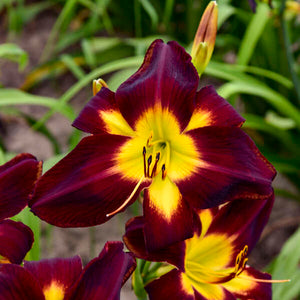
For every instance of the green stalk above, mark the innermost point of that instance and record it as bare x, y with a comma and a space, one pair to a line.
137, 18
288, 51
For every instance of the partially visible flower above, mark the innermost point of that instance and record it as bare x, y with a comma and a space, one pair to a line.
253, 4
205, 37
292, 8
17, 181
212, 264
157, 132
16, 240
64, 278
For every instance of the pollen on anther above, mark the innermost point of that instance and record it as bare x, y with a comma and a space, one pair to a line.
157, 155
163, 170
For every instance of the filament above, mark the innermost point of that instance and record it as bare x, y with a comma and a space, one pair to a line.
127, 200
263, 280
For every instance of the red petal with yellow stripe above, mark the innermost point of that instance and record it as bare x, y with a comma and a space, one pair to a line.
166, 79
101, 115
213, 110
135, 242
55, 276
228, 166
168, 218
86, 185
16, 283
170, 286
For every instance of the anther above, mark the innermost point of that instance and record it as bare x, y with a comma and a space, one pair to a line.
155, 165
144, 156
163, 170
149, 163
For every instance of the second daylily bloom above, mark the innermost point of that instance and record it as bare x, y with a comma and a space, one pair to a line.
64, 278
156, 132
212, 264
17, 180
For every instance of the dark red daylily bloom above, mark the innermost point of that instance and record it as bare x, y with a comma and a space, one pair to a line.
211, 264
156, 132
64, 278
17, 180
16, 240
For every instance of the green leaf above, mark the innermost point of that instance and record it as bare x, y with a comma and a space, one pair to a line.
253, 33
258, 123
137, 281
73, 66
224, 12
34, 223
107, 68
17, 97
257, 89
148, 7
286, 266
279, 122
119, 77
14, 53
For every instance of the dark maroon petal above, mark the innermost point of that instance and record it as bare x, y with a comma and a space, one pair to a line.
85, 185
169, 286
16, 240
135, 242
18, 284
104, 276
17, 179
251, 289
229, 167
247, 220
57, 273
89, 119
213, 110
166, 78
160, 229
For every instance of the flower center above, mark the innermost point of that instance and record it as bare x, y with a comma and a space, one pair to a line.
161, 150
202, 274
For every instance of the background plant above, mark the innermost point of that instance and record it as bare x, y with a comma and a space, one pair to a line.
255, 66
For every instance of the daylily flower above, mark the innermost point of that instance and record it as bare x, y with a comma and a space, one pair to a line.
17, 180
64, 278
212, 264
156, 132
16, 240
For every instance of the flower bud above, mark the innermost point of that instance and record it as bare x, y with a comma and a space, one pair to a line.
205, 37
98, 84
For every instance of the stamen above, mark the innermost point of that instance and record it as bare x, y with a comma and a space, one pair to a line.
149, 163
263, 280
127, 200
163, 170
144, 156
155, 165
150, 139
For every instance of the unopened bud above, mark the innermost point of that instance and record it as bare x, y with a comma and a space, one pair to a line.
98, 84
205, 37
292, 7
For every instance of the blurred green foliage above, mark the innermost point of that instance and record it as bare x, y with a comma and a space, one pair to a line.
255, 63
